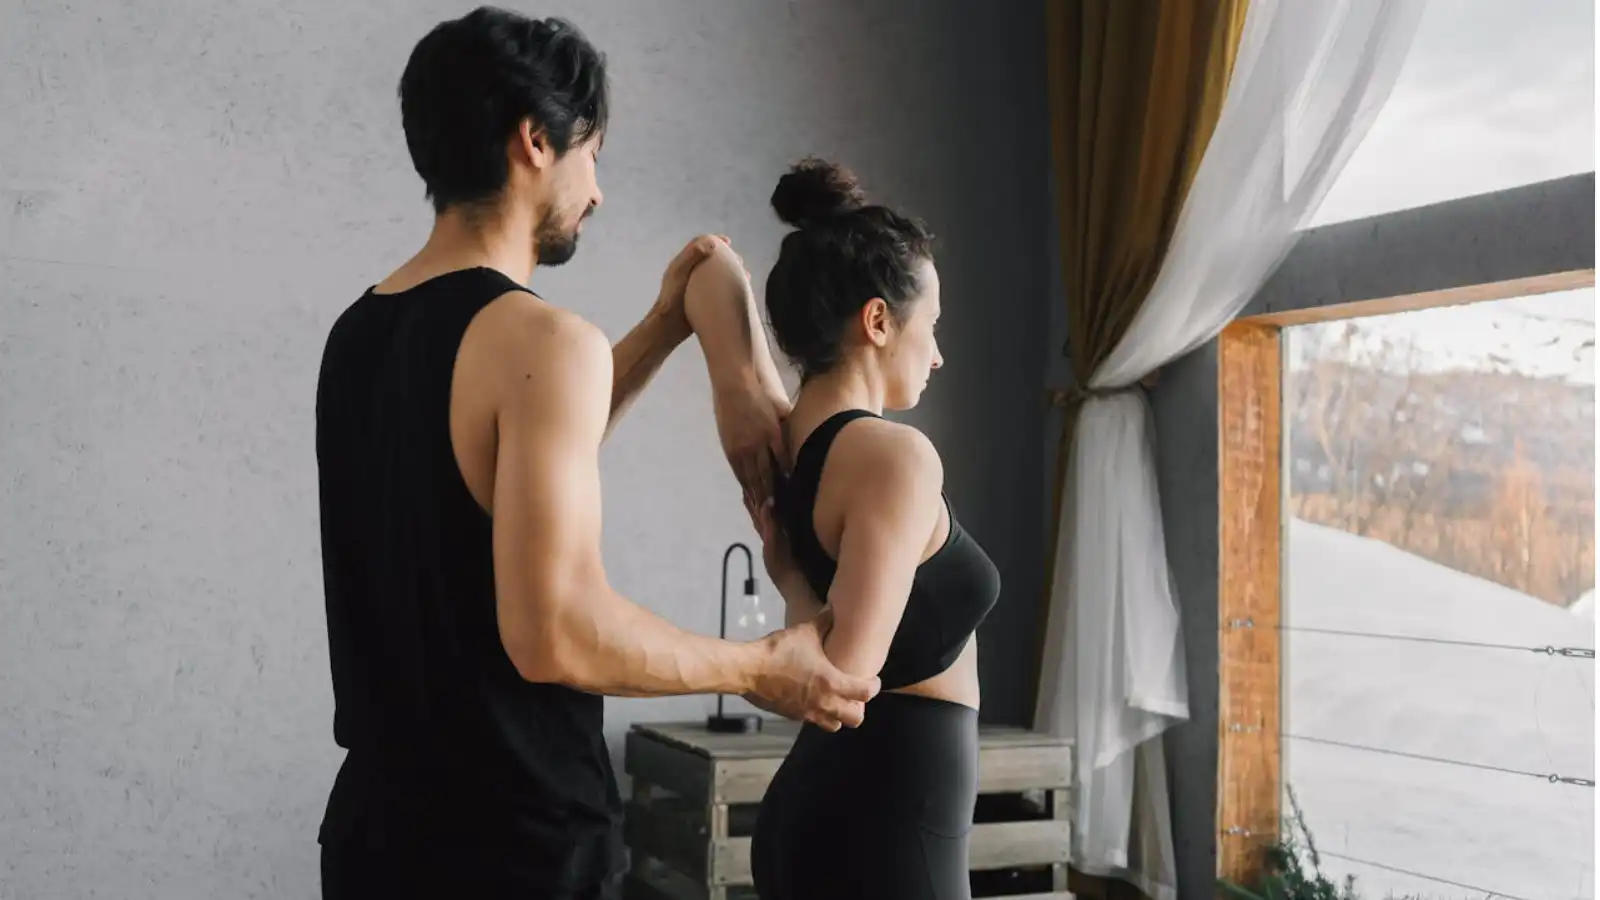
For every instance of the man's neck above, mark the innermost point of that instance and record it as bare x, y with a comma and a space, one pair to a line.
460, 240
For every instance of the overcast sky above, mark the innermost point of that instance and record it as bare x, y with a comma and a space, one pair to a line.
1494, 94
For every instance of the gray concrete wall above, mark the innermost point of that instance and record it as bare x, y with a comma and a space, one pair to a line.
190, 192
1527, 231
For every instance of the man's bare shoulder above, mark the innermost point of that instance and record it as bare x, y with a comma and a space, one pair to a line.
527, 343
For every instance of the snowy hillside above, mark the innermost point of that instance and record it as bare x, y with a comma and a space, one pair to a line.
1515, 709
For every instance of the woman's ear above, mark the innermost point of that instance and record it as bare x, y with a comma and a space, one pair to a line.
876, 322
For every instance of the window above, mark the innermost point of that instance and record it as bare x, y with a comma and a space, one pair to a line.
1439, 559
1493, 95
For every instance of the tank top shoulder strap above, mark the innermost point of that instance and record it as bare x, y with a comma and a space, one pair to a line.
797, 497
814, 452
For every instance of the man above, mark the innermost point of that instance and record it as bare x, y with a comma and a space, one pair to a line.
471, 628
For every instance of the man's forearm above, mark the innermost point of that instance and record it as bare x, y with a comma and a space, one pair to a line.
615, 647
638, 357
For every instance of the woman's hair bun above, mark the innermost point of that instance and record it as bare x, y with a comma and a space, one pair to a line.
815, 190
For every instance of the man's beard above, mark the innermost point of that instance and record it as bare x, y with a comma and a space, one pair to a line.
554, 245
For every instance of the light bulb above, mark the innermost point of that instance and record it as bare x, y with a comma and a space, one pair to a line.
751, 607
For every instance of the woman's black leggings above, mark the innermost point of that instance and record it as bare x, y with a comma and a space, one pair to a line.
877, 812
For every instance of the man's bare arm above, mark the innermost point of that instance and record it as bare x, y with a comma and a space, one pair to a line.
639, 356
560, 620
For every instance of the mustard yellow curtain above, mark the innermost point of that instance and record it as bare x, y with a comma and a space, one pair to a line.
1136, 87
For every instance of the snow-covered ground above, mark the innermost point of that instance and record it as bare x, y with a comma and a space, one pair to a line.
1516, 709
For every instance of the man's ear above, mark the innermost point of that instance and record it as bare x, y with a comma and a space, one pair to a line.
533, 145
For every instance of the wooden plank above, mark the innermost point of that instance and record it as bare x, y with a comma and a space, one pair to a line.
1458, 296
679, 755
773, 740
1001, 736
1005, 845
778, 735
666, 765
717, 838
993, 845
1249, 650
1022, 767
1001, 770
743, 780
1061, 810
733, 862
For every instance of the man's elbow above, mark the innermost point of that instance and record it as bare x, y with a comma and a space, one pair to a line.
534, 659
547, 649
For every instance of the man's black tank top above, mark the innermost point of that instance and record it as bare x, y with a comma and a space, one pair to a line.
449, 748
951, 592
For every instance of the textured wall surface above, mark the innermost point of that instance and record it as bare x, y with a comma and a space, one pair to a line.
190, 192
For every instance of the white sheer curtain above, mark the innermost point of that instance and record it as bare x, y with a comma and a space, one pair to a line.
1308, 79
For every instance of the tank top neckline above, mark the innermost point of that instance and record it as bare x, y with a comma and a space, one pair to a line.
434, 280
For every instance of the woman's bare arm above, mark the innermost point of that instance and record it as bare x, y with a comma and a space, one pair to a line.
894, 500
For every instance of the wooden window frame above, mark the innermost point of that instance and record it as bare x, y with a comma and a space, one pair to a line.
1251, 506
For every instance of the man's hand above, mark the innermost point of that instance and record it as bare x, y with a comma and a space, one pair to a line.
638, 356
800, 682
669, 305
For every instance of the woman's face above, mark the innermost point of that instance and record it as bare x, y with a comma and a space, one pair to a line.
912, 353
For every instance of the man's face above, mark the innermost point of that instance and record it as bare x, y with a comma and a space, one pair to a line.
573, 194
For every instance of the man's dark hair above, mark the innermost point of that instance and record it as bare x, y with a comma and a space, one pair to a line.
471, 81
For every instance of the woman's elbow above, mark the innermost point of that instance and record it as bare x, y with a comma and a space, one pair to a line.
862, 659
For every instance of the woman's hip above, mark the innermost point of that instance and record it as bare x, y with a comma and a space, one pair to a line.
914, 760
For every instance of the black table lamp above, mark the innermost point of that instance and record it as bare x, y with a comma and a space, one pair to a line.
738, 723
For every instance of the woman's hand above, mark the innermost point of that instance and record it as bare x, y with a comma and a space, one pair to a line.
800, 602
776, 555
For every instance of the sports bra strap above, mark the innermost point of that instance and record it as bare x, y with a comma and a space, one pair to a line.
814, 452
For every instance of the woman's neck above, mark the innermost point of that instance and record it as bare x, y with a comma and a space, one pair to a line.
821, 396
845, 387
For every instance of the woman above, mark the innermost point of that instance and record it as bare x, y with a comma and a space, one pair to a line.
884, 810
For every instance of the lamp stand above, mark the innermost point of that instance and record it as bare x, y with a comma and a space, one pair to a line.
736, 723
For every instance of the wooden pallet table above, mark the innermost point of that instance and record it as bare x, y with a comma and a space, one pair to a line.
696, 793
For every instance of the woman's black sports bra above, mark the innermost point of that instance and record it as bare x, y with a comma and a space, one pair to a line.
951, 593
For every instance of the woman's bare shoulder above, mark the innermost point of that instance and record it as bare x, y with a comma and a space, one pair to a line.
878, 452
